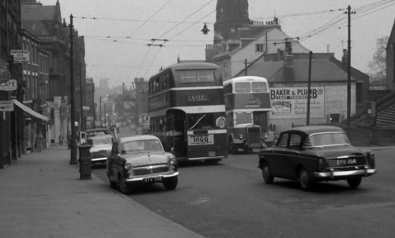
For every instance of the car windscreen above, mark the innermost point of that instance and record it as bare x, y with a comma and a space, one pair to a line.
142, 145
326, 139
100, 141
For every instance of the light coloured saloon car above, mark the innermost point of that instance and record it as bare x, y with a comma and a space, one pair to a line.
139, 160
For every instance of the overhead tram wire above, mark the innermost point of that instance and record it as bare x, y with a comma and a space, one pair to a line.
151, 17
186, 18
142, 62
153, 60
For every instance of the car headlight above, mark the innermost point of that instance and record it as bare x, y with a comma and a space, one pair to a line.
173, 162
321, 164
128, 166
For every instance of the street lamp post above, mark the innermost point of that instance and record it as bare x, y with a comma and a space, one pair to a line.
73, 150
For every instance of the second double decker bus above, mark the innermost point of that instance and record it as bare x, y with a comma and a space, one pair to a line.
187, 111
247, 101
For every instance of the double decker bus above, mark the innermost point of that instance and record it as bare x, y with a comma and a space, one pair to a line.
187, 111
247, 102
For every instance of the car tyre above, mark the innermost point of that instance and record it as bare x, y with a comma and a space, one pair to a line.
267, 176
112, 183
123, 187
354, 182
171, 183
233, 149
305, 180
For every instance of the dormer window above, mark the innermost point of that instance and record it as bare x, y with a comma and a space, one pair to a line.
259, 47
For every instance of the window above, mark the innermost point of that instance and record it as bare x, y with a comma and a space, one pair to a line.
242, 87
259, 87
283, 141
294, 141
259, 47
196, 76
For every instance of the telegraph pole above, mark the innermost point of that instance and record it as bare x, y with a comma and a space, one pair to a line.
245, 66
73, 150
308, 91
349, 68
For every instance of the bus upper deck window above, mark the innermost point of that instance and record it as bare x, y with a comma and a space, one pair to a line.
259, 87
243, 87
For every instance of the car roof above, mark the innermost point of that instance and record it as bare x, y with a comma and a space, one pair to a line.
97, 130
101, 136
315, 129
136, 138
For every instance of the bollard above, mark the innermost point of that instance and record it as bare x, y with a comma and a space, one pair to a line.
85, 161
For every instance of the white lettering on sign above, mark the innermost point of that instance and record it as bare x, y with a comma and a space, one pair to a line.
201, 140
10, 85
20, 56
6, 106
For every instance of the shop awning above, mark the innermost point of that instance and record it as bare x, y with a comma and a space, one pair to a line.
30, 111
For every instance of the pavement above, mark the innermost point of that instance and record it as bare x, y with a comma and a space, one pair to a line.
42, 195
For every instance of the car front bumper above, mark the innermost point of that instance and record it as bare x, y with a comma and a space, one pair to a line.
100, 159
332, 174
141, 179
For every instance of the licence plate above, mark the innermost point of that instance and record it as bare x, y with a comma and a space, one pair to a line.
341, 162
201, 140
152, 179
211, 153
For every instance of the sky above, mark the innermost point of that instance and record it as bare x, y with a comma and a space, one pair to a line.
118, 33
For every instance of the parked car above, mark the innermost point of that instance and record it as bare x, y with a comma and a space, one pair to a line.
84, 135
316, 153
101, 147
138, 160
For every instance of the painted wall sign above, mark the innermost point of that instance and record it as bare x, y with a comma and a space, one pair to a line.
292, 102
10, 85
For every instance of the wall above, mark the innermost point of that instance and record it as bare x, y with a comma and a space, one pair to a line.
332, 100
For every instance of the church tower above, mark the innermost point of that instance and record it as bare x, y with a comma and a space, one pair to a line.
231, 14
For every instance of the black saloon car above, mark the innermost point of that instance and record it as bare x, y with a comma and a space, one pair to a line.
311, 154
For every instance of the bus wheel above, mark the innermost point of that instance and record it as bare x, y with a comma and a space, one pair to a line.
232, 147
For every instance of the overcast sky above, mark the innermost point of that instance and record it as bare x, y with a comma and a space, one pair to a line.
116, 40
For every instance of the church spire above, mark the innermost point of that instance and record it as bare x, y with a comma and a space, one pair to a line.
231, 14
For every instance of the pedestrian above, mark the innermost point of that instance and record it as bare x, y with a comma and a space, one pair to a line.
61, 139
68, 140
39, 142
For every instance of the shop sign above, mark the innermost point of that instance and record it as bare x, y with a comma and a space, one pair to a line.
5, 75
6, 106
20, 56
10, 85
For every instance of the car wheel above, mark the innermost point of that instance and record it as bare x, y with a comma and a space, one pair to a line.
233, 149
212, 161
112, 183
267, 176
305, 180
123, 187
354, 182
171, 183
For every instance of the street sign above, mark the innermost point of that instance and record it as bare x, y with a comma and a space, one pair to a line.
6, 106
10, 85
5, 75
20, 56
